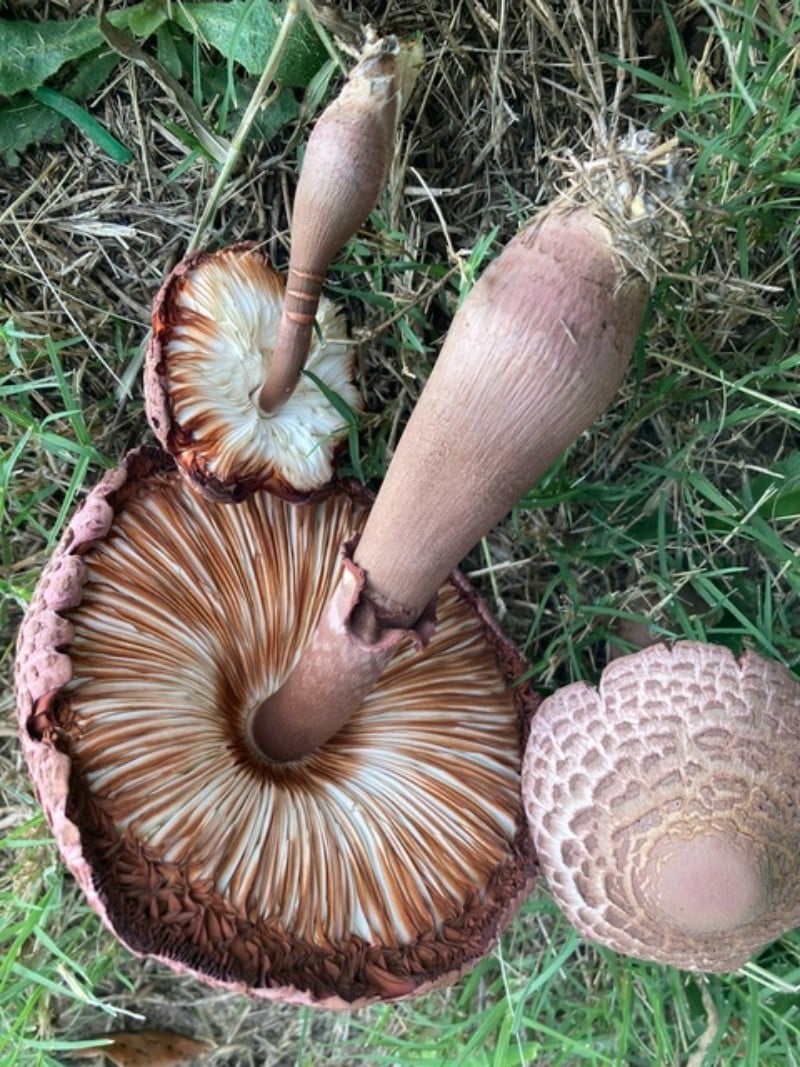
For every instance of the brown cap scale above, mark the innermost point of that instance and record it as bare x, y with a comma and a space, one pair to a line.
384, 864
215, 322
344, 170
533, 356
665, 804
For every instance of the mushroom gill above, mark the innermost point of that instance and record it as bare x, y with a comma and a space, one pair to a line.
215, 322
665, 805
387, 860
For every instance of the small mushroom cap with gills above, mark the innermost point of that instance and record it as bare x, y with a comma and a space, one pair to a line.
215, 320
383, 864
665, 804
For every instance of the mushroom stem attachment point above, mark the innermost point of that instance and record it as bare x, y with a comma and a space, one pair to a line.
341, 648
708, 884
293, 339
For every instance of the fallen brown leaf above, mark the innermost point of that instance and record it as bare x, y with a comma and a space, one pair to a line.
147, 1048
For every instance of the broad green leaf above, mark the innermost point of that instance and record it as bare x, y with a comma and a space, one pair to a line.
282, 110
30, 52
92, 72
245, 31
283, 107
167, 53
24, 121
145, 18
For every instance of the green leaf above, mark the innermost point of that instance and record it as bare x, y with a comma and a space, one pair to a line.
349, 417
145, 18
30, 52
167, 53
122, 43
283, 107
92, 72
23, 122
245, 31
282, 110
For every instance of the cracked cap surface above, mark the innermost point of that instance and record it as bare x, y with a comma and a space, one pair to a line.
665, 804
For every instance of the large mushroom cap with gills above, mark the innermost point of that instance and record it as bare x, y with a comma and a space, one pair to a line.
384, 863
215, 321
665, 805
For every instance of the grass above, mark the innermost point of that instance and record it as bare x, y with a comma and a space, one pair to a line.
680, 509
45, 961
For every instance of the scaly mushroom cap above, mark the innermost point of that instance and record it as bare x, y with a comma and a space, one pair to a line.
384, 863
214, 325
665, 805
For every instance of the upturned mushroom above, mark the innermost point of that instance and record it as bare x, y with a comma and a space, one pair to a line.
386, 863
664, 805
344, 171
533, 356
215, 322
223, 386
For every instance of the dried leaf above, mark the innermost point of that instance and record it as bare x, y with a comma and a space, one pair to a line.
148, 1048
410, 61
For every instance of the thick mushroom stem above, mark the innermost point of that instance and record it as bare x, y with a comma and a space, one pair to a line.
534, 355
344, 170
340, 667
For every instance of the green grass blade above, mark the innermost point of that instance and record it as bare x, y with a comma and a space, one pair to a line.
86, 123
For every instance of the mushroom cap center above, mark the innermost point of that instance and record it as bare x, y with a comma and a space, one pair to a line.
706, 884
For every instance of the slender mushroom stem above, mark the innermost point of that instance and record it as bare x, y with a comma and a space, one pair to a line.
344, 170
534, 355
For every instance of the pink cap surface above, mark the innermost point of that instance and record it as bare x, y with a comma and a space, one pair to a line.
664, 804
